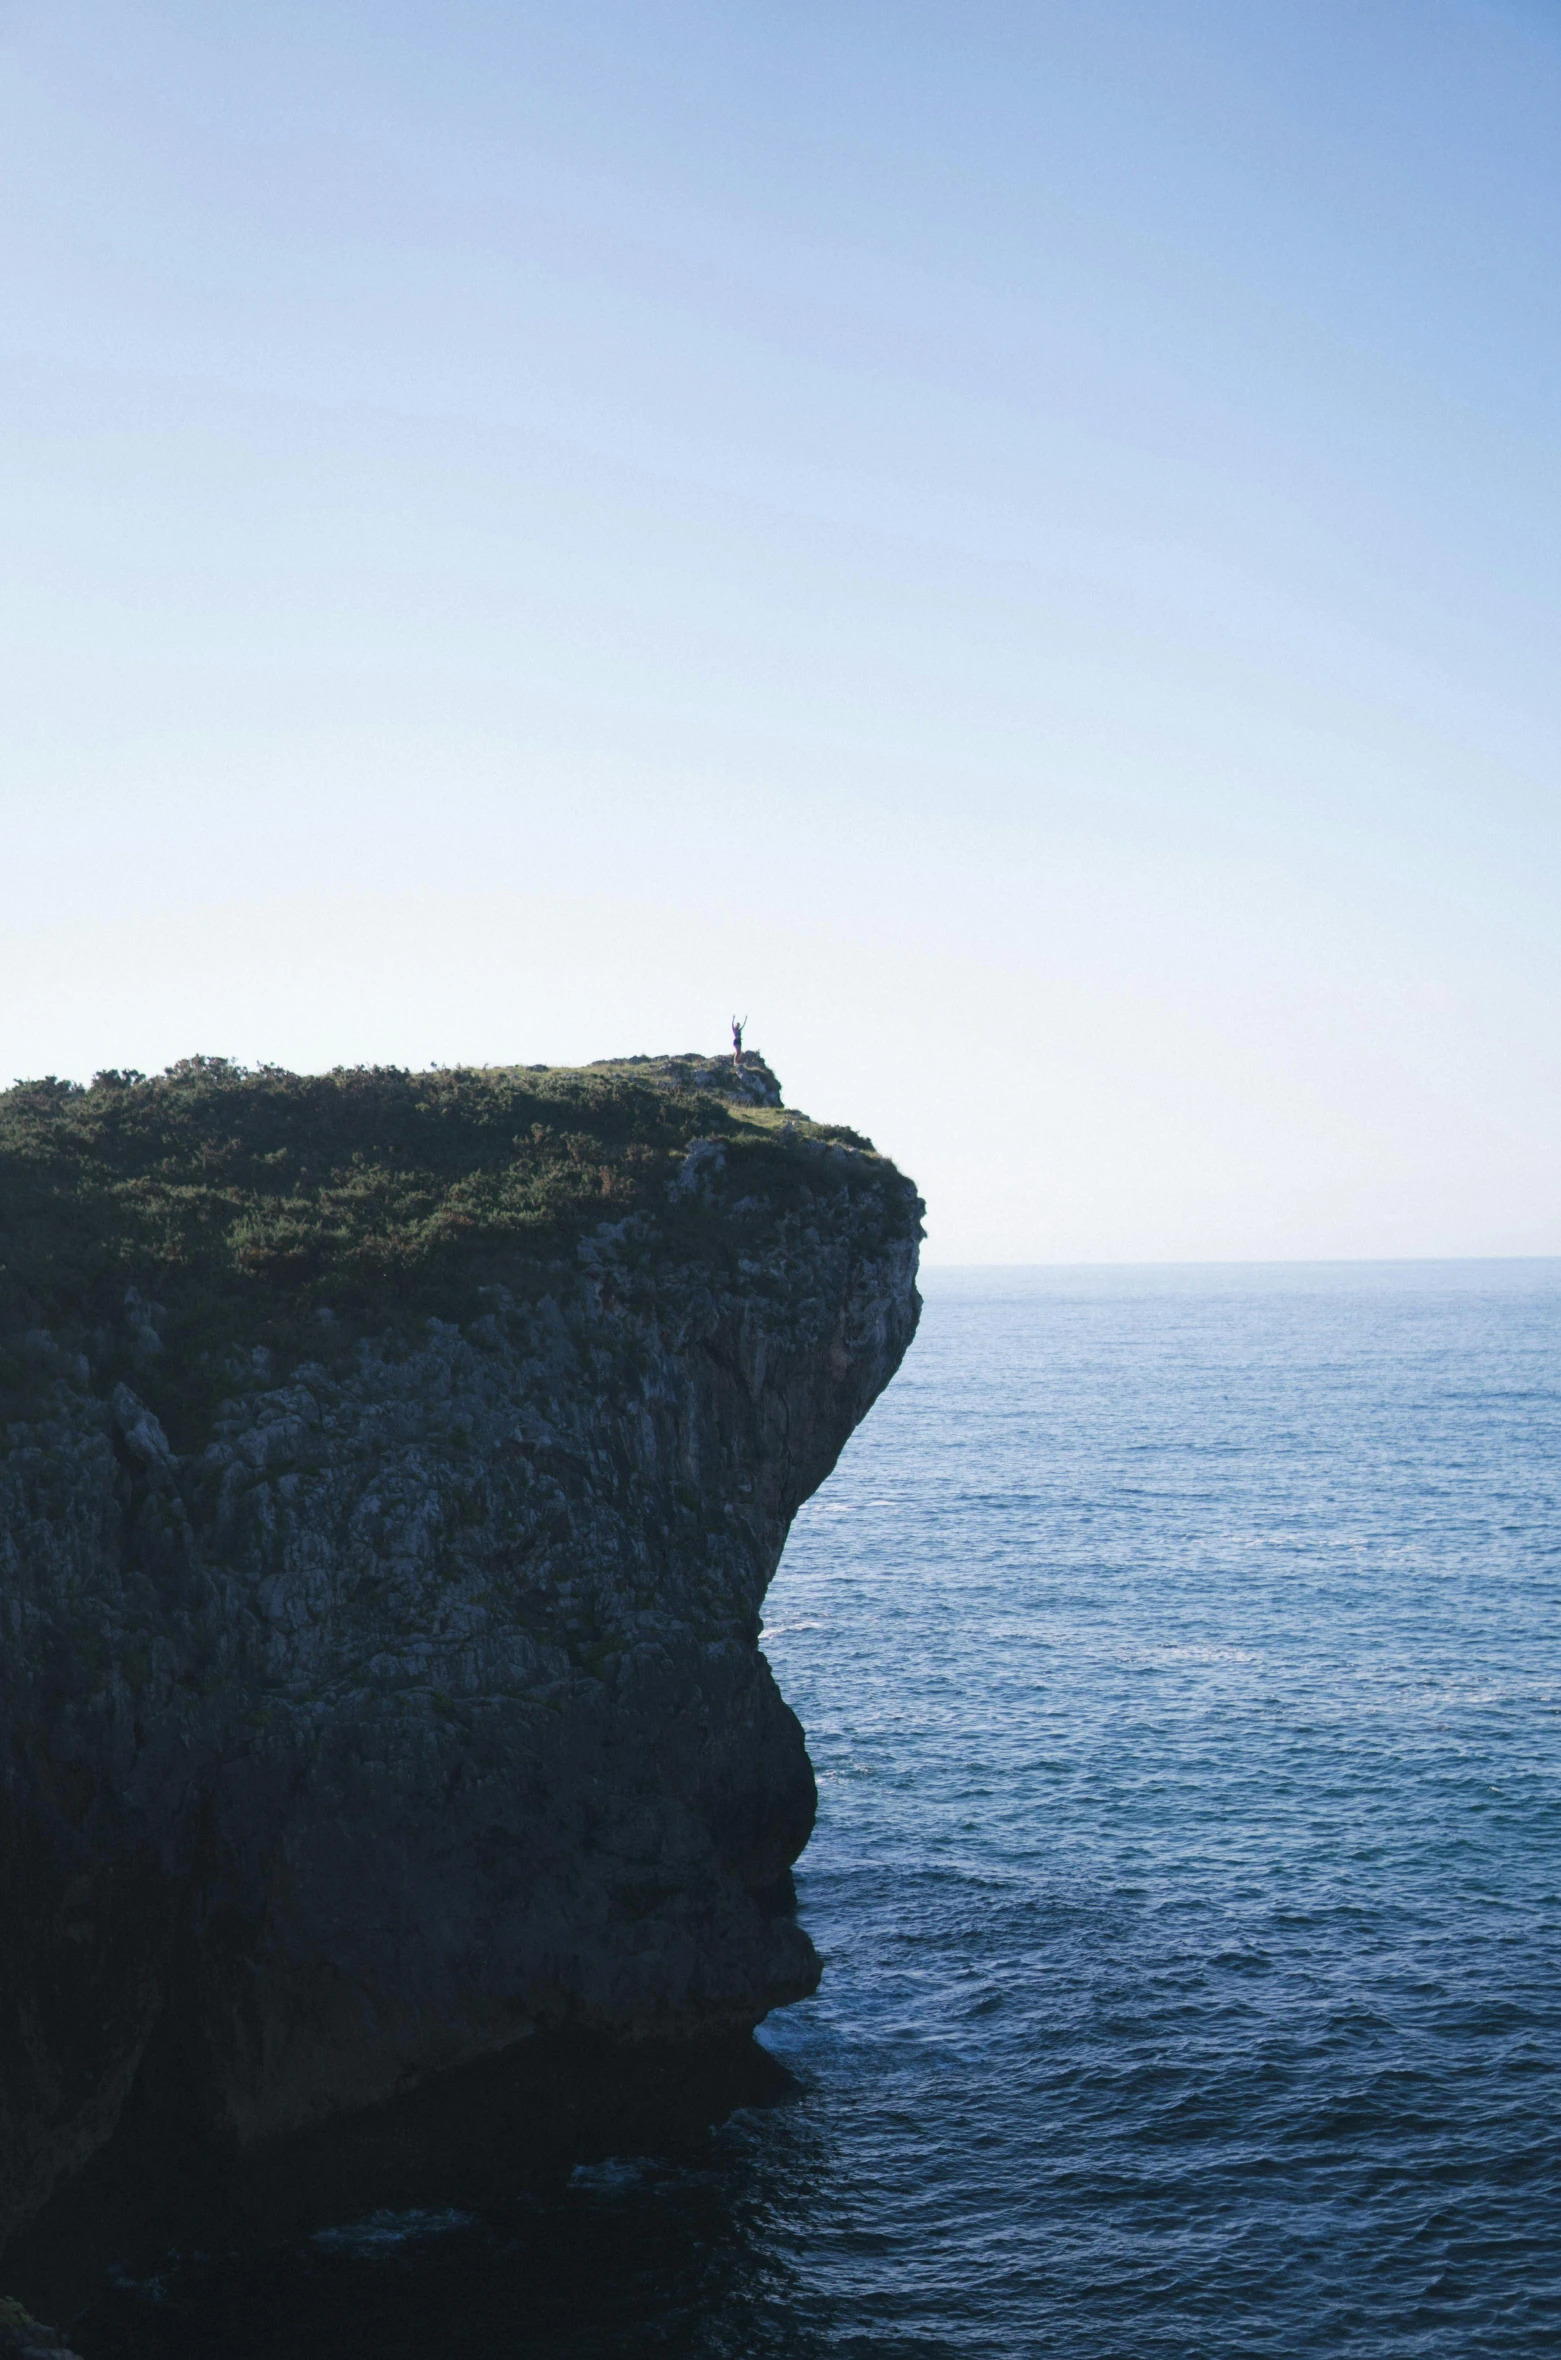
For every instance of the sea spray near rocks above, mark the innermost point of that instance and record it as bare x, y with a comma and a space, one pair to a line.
393, 1469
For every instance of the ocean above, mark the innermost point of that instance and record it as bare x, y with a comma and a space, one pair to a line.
1180, 1654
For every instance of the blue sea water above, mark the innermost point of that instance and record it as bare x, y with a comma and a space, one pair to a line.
1180, 1654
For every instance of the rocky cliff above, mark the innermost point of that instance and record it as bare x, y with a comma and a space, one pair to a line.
393, 1468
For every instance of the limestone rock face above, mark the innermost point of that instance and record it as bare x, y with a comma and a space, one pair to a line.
414, 1708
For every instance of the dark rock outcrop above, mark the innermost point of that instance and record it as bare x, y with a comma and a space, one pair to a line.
22, 2337
403, 1728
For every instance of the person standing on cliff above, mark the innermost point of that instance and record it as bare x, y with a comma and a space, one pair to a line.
737, 1041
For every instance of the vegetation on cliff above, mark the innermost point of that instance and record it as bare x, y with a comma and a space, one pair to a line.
302, 1211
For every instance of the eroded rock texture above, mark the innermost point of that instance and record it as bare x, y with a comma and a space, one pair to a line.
413, 1710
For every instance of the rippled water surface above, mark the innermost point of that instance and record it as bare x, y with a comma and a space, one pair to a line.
1180, 1652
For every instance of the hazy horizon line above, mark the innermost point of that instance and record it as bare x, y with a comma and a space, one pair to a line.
1260, 1262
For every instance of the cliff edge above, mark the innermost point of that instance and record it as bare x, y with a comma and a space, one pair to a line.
392, 1467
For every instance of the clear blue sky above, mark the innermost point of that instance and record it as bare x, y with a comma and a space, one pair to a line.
1017, 545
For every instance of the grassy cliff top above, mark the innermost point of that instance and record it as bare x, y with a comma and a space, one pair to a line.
245, 1203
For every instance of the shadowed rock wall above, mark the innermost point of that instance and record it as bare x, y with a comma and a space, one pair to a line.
417, 1713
